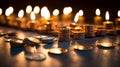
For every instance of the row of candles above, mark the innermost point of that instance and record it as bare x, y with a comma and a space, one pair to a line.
34, 16
33, 21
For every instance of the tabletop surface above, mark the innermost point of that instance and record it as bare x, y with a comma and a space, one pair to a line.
98, 57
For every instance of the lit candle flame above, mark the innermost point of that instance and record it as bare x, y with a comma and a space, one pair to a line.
56, 12
29, 9
119, 13
32, 16
97, 12
67, 10
11, 9
107, 15
0, 11
20, 13
76, 17
81, 12
36, 9
45, 12
8, 12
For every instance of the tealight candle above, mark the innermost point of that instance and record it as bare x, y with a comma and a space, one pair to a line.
28, 11
81, 19
98, 18
36, 11
10, 16
108, 24
33, 24
46, 18
2, 18
67, 14
55, 20
117, 21
21, 20
55, 16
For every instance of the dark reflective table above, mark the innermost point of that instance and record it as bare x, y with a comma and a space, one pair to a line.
98, 57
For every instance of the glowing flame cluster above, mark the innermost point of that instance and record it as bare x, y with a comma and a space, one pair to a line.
9, 11
56, 12
45, 12
67, 10
78, 14
20, 13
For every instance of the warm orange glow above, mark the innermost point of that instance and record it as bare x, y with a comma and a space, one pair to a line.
80, 47
29, 9
97, 12
36, 9
107, 15
119, 13
57, 51
32, 16
81, 12
67, 10
76, 17
56, 12
0, 11
77, 28
45, 12
106, 44
20, 13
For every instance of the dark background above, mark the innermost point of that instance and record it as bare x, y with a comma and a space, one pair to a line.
89, 6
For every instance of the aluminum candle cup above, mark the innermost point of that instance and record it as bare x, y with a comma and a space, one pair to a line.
57, 50
48, 40
89, 31
40, 37
16, 43
64, 34
105, 44
31, 41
